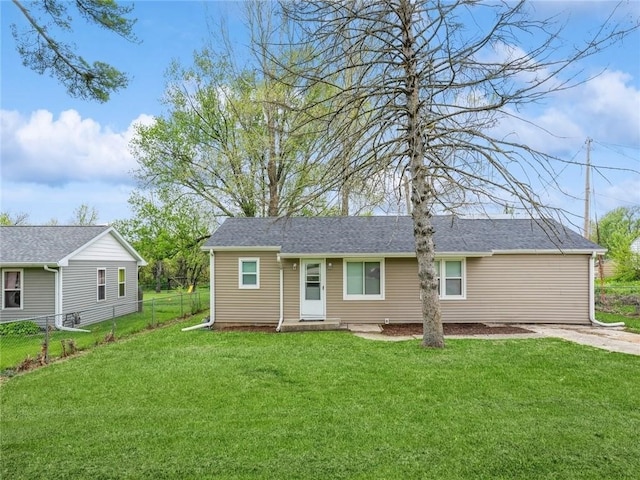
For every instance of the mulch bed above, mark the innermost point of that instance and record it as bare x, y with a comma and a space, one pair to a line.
401, 329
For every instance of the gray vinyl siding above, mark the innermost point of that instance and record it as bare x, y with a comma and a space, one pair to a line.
246, 306
38, 296
80, 290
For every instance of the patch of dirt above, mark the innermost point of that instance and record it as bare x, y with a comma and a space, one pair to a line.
245, 328
401, 329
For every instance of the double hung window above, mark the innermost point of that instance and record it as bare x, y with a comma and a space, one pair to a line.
450, 278
102, 284
12, 289
122, 282
363, 280
249, 273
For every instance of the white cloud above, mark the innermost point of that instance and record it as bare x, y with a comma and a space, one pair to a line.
51, 166
45, 150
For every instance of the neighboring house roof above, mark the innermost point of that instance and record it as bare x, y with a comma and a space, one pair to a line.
52, 245
393, 235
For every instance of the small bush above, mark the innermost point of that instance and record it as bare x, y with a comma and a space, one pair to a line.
19, 328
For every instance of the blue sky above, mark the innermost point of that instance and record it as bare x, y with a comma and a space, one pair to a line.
58, 153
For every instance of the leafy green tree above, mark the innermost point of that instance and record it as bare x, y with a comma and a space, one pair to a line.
616, 231
168, 230
42, 50
8, 219
433, 79
229, 139
239, 138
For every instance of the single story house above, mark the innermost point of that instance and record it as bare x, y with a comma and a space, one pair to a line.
75, 275
278, 271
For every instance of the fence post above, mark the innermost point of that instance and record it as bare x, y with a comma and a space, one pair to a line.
46, 340
181, 305
153, 312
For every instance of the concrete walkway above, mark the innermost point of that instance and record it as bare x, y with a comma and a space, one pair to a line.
612, 339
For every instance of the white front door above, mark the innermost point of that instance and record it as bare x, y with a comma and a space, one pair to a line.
312, 300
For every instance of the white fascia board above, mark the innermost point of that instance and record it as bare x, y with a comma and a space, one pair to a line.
140, 261
255, 248
554, 251
28, 264
383, 255
463, 254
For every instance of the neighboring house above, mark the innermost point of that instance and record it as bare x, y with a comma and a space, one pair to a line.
77, 274
364, 270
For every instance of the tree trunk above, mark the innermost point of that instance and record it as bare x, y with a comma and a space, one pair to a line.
344, 210
158, 275
421, 192
272, 166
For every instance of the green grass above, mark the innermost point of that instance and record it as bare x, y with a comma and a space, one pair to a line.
323, 405
632, 323
158, 309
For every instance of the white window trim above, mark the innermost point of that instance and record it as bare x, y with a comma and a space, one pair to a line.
442, 277
241, 285
21, 272
122, 269
98, 299
346, 296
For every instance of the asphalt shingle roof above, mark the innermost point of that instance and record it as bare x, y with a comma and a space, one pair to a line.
43, 244
394, 235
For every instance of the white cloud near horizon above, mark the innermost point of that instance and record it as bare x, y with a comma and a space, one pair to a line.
51, 165
42, 149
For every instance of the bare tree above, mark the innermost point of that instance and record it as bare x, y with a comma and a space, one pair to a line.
85, 215
434, 79
8, 218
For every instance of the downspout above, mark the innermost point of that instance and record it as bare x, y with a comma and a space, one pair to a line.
592, 310
281, 295
57, 318
208, 321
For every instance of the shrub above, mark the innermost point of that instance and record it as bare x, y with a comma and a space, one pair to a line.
19, 328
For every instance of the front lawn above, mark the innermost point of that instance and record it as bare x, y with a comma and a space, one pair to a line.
23, 350
323, 405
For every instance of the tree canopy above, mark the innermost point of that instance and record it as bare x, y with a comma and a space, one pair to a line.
616, 231
42, 48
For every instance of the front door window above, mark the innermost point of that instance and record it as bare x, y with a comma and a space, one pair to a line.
312, 281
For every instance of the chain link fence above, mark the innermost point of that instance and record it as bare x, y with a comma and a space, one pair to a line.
27, 343
619, 299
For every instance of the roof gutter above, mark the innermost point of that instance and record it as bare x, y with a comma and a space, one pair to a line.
592, 308
57, 318
281, 319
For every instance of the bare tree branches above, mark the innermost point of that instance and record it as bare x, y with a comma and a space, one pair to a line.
434, 80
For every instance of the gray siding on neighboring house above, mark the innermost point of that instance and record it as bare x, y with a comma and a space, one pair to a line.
38, 296
80, 290
251, 306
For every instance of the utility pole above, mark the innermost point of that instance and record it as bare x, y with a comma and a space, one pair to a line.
587, 192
